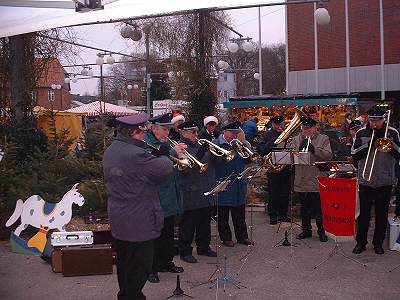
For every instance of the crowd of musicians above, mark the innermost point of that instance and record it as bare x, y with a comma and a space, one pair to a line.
163, 167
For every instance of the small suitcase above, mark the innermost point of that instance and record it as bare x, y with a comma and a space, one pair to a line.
56, 265
87, 260
394, 231
71, 238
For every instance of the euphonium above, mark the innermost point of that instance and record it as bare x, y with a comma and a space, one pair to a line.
217, 150
191, 158
283, 137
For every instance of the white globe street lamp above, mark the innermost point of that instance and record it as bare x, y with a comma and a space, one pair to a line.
256, 76
67, 80
135, 86
171, 74
136, 35
99, 60
129, 86
322, 16
110, 60
126, 31
74, 80
58, 86
85, 72
233, 47
248, 47
90, 72
53, 86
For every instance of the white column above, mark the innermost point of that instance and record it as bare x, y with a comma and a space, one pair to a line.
259, 51
316, 52
287, 50
346, 10
382, 38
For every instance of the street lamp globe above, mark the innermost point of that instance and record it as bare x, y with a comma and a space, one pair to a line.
74, 80
222, 64
248, 47
58, 86
322, 16
136, 35
90, 72
126, 31
171, 75
110, 60
53, 86
233, 47
84, 72
129, 86
67, 80
147, 28
135, 86
99, 60
256, 76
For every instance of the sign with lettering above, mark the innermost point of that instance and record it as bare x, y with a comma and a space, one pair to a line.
338, 203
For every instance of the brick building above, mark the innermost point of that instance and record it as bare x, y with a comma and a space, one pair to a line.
45, 95
361, 27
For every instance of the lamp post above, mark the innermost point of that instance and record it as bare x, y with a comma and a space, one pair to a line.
56, 86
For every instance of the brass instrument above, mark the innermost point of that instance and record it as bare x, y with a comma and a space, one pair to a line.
192, 160
283, 137
307, 146
217, 150
242, 150
384, 145
180, 164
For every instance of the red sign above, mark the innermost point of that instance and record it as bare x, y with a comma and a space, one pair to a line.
338, 203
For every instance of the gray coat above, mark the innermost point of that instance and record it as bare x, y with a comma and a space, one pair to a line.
193, 184
383, 173
306, 176
133, 177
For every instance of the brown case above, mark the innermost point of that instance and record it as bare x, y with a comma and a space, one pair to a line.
56, 265
87, 260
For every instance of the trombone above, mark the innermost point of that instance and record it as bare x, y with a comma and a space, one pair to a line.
180, 164
242, 150
384, 145
217, 150
191, 159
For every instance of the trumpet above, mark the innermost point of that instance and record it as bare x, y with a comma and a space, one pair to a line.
191, 159
217, 150
180, 164
384, 145
242, 150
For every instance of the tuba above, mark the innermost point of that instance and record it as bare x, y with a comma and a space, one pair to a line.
283, 137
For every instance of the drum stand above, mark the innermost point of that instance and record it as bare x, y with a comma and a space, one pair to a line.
337, 249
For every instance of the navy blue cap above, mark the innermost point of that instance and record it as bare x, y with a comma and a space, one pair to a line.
306, 121
232, 126
277, 119
355, 124
163, 120
188, 125
133, 121
376, 113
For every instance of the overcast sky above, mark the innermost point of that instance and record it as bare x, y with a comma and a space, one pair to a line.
107, 37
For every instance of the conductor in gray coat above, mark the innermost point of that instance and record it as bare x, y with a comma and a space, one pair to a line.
133, 177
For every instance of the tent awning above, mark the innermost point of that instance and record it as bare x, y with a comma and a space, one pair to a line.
93, 109
289, 102
16, 20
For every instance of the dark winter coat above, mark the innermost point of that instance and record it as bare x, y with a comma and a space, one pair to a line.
204, 134
192, 183
235, 195
133, 177
170, 199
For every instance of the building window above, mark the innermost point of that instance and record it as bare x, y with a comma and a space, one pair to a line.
34, 96
226, 95
50, 95
225, 77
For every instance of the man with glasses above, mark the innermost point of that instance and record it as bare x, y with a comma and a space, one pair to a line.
196, 218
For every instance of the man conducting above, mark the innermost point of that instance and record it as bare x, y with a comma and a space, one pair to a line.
169, 198
132, 177
278, 183
305, 181
376, 189
197, 207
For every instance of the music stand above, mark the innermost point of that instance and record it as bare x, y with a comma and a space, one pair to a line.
337, 249
289, 157
225, 278
178, 292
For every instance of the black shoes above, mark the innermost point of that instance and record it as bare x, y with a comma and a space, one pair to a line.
228, 243
189, 259
246, 242
209, 253
359, 248
153, 278
273, 221
304, 235
379, 250
322, 237
172, 269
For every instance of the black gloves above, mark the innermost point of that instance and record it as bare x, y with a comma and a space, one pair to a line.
202, 150
162, 151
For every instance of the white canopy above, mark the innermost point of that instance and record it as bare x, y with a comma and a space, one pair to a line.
17, 19
93, 109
